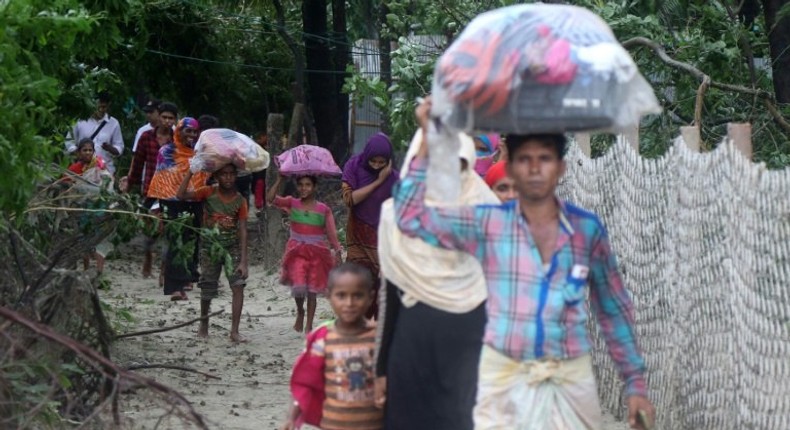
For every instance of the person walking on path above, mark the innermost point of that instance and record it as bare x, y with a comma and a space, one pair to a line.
431, 319
151, 110
332, 380
368, 179
171, 168
226, 210
540, 256
501, 184
102, 129
94, 170
147, 151
312, 248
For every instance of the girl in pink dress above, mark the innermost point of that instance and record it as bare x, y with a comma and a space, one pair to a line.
311, 251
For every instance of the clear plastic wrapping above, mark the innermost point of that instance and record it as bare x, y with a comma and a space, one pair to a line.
539, 68
217, 147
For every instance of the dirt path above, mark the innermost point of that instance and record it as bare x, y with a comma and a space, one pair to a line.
253, 391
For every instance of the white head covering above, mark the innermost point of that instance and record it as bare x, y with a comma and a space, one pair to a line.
448, 280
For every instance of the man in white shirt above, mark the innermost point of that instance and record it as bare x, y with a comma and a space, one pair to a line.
104, 130
151, 110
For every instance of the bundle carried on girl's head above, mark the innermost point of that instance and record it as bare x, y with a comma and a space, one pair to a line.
218, 147
307, 160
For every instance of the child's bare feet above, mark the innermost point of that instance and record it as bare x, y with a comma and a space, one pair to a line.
309, 327
299, 324
203, 330
237, 338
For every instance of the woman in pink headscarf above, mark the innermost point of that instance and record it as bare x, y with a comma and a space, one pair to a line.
368, 179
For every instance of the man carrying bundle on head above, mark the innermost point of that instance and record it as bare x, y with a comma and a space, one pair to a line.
539, 255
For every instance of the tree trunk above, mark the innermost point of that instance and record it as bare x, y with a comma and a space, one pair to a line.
321, 84
297, 89
274, 235
385, 61
295, 135
341, 59
779, 40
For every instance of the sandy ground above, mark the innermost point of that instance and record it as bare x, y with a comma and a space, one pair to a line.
252, 392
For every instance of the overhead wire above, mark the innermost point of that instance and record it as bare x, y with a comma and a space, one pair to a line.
232, 63
274, 25
355, 48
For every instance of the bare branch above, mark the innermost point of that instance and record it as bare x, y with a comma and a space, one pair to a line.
19, 265
697, 73
767, 97
777, 115
101, 406
159, 330
104, 364
173, 367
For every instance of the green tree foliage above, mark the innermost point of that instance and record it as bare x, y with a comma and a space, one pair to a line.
213, 57
38, 44
713, 36
208, 56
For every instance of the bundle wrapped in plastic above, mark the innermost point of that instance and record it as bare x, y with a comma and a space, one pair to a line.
217, 147
307, 160
539, 68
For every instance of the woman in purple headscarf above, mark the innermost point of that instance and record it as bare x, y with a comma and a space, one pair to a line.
368, 179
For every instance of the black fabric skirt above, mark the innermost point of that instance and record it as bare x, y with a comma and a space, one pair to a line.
177, 273
432, 364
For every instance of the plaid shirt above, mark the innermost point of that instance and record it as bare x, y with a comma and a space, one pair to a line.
144, 161
534, 311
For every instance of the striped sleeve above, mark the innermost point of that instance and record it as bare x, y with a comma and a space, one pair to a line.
615, 313
450, 228
283, 202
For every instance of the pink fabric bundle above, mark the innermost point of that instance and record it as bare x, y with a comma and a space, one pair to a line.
305, 160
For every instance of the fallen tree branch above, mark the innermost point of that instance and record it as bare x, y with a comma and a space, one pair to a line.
173, 367
767, 97
105, 365
777, 115
697, 73
88, 210
159, 330
18, 261
279, 314
103, 405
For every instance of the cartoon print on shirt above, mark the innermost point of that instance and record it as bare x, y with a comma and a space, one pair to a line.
355, 369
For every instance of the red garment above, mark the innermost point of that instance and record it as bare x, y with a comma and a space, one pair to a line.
144, 160
496, 173
77, 167
307, 381
308, 259
259, 189
306, 268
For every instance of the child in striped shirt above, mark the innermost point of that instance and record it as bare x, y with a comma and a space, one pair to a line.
332, 380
